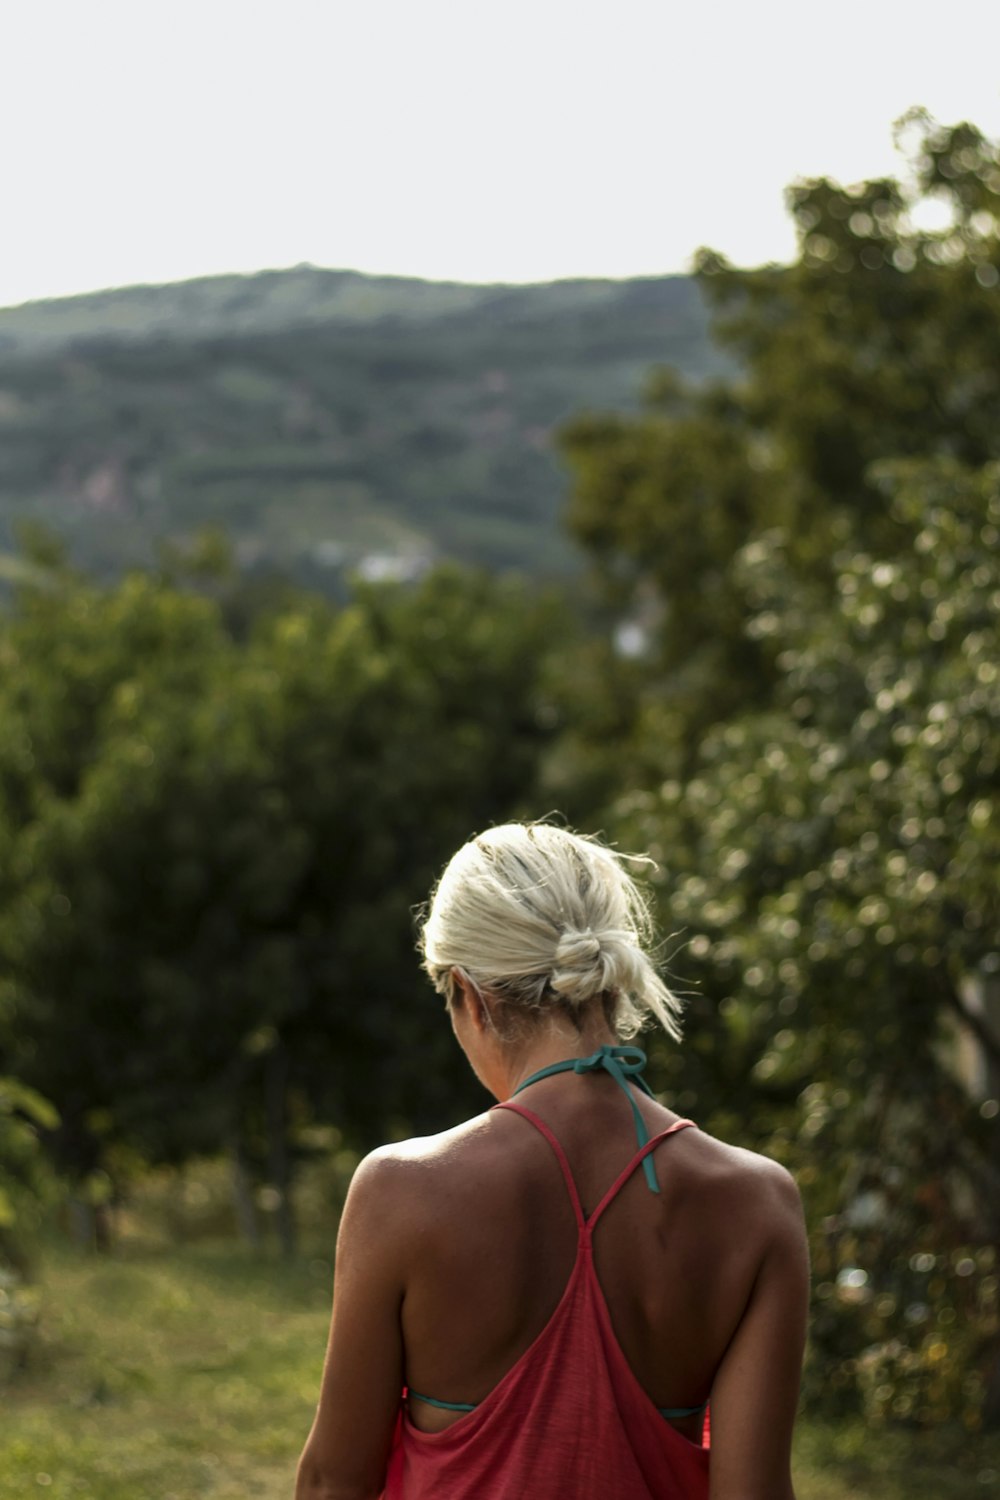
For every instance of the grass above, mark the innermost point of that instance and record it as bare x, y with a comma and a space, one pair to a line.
176, 1374
172, 1376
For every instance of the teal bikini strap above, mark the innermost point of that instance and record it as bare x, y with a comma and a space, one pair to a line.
622, 1063
682, 1411
444, 1405
665, 1411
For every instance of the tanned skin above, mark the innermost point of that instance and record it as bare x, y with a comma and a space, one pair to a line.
454, 1251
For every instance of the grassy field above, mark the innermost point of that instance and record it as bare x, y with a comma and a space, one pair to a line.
187, 1373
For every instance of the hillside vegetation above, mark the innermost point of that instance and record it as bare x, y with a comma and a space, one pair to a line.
322, 418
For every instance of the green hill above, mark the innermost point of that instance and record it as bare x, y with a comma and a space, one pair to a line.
324, 418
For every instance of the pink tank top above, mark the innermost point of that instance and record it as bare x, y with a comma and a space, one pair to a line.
569, 1421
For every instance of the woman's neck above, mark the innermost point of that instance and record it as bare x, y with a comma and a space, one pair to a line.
554, 1045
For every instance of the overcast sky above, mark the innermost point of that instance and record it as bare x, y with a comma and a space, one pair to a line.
517, 140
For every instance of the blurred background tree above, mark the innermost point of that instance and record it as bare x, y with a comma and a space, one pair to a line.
878, 342
806, 560
216, 847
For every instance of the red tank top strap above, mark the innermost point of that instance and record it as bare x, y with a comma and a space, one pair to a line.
540, 1125
636, 1161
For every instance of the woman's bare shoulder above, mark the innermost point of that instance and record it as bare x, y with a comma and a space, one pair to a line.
741, 1180
757, 1188
738, 1162
405, 1171
446, 1148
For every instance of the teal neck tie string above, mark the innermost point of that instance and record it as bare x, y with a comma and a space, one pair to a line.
622, 1063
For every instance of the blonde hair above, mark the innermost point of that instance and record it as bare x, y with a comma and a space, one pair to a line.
544, 919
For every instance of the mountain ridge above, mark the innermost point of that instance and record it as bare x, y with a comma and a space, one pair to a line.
271, 299
323, 418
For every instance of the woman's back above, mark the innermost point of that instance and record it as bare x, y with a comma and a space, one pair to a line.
497, 1244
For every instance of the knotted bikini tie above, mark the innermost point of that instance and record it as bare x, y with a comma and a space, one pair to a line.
622, 1063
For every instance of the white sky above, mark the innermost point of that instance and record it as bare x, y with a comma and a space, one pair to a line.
520, 140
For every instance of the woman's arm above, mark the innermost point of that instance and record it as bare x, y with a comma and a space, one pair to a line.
346, 1451
756, 1389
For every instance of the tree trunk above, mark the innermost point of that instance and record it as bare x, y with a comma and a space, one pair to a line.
991, 1399
279, 1162
82, 1230
102, 1228
246, 1211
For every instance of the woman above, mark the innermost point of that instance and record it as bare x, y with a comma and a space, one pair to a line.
559, 1286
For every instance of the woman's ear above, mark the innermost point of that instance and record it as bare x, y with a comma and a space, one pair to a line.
466, 997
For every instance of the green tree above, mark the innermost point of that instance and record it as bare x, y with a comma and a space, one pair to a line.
832, 865
209, 934
879, 342
810, 549
74, 658
23, 1115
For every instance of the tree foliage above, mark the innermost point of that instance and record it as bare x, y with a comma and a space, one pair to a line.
811, 550
217, 845
878, 342
832, 865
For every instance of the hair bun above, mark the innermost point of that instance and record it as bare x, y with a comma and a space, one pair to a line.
577, 950
579, 971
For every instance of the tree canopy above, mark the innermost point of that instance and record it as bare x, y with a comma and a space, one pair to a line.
809, 555
216, 847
